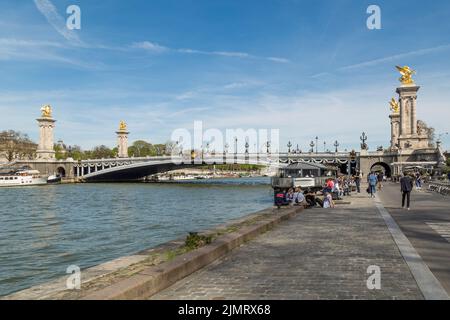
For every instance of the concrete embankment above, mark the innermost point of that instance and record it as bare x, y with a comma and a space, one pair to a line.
150, 271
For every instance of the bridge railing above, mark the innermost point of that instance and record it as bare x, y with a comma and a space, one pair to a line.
440, 187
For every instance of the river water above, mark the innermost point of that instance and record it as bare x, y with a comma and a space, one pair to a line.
45, 229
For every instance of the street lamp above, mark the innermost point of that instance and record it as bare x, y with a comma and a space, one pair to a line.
317, 144
363, 140
336, 145
235, 145
312, 146
268, 147
324, 146
289, 145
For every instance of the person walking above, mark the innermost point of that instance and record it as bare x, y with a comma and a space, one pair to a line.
372, 179
380, 178
406, 185
358, 182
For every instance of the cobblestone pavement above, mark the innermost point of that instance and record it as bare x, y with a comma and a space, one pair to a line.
320, 254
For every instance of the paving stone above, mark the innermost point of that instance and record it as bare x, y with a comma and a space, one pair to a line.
320, 254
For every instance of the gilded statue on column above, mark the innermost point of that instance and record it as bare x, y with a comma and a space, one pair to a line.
395, 108
407, 74
46, 111
122, 126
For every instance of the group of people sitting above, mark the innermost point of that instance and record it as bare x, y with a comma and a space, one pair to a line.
334, 189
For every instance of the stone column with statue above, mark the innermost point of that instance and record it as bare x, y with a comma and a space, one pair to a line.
410, 136
45, 150
395, 123
122, 140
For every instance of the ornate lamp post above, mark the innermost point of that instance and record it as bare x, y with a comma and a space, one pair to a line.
363, 139
317, 144
336, 145
247, 145
297, 150
268, 147
312, 146
324, 146
289, 145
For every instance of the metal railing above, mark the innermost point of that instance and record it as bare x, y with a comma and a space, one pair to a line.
442, 187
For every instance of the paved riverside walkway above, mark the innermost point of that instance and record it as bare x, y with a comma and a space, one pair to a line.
319, 254
427, 226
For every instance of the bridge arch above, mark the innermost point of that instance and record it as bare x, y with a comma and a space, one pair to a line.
377, 166
61, 171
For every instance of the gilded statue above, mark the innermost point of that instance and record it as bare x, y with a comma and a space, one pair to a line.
122, 126
46, 111
395, 108
406, 73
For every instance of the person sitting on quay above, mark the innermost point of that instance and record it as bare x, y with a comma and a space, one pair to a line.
329, 186
290, 196
328, 201
310, 198
299, 198
337, 189
280, 199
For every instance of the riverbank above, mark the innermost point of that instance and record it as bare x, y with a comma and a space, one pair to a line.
149, 271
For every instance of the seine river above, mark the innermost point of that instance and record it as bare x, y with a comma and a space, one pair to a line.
45, 229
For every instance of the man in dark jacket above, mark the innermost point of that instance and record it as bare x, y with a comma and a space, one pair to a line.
406, 184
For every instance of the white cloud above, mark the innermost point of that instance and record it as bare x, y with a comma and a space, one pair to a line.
150, 46
156, 48
281, 60
37, 50
395, 57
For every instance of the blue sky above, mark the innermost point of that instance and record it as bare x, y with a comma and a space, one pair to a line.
305, 67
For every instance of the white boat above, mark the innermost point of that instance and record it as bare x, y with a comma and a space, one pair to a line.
22, 177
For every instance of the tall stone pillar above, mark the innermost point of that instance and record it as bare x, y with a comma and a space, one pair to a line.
402, 117
414, 115
407, 97
45, 150
122, 140
395, 129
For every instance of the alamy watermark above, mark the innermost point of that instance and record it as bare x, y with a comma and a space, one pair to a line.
73, 282
216, 146
374, 280
74, 20
374, 20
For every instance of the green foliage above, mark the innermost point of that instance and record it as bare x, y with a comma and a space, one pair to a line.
60, 154
16, 145
194, 240
141, 148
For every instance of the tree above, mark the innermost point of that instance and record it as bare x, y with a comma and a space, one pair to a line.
101, 152
76, 153
170, 147
422, 128
16, 145
60, 153
141, 148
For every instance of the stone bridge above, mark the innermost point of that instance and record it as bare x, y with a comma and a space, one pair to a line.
126, 169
